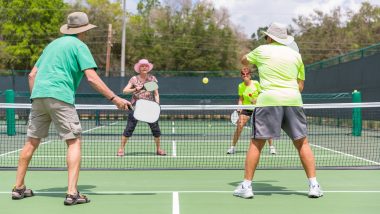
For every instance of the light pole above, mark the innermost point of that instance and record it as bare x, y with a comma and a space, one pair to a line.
122, 71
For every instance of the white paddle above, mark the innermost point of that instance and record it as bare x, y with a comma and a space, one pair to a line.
147, 111
149, 86
234, 117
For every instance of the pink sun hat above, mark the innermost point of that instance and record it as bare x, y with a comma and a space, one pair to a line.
143, 62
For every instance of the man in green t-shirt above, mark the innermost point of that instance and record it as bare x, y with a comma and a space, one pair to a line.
279, 105
52, 83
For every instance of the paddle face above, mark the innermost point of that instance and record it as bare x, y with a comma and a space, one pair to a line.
234, 117
150, 86
147, 111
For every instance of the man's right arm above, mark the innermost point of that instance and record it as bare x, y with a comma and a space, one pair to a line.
244, 61
98, 84
32, 77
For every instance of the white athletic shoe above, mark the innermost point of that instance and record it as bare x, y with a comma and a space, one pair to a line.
315, 191
272, 150
231, 151
243, 192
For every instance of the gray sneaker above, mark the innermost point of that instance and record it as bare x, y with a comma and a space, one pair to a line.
21, 193
231, 151
315, 191
243, 192
272, 150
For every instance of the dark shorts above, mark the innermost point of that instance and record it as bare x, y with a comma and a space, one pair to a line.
268, 122
131, 125
247, 112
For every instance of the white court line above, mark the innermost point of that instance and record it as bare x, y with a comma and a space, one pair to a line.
49, 141
175, 203
197, 191
345, 154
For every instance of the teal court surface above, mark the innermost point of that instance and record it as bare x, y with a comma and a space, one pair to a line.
197, 191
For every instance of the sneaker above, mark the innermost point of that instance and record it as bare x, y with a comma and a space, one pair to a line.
272, 150
315, 191
75, 199
243, 192
231, 151
21, 193
120, 153
161, 152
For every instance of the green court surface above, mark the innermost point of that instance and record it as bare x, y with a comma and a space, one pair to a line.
197, 191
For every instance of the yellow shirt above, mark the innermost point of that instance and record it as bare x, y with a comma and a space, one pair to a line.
279, 68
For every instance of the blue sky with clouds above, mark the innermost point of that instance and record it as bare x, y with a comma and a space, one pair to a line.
249, 15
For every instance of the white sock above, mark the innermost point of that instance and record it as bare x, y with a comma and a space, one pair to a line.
232, 147
247, 183
313, 181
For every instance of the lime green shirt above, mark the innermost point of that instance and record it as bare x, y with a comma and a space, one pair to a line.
249, 93
60, 69
279, 68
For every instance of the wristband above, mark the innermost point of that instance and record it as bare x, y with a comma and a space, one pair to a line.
112, 98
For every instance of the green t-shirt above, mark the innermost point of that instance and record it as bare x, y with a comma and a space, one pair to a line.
60, 69
249, 93
279, 68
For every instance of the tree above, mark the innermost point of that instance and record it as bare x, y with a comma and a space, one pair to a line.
26, 26
324, 35
102, 13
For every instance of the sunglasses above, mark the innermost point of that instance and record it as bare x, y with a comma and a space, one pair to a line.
245, 74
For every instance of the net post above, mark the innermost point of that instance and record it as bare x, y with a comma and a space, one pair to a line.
356, 114
10, 113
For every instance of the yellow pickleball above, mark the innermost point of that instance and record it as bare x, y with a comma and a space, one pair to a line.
205, 80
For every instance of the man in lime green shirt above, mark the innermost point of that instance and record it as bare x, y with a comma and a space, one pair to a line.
52, 83
279, 105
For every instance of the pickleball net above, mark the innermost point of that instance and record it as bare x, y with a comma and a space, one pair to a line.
341, 135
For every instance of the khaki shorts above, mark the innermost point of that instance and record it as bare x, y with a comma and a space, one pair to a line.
63, 115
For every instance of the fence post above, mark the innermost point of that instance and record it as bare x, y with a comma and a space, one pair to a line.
10, 113
356, 114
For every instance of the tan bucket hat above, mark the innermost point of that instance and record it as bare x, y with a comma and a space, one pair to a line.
77, 22
278, 33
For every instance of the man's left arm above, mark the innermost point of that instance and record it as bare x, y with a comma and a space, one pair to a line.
301, 84
301, 76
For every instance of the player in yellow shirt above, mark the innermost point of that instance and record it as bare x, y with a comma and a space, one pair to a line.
248, 92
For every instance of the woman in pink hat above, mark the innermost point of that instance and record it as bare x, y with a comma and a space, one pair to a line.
135, 85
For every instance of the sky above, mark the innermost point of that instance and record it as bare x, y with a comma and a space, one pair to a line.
249, 15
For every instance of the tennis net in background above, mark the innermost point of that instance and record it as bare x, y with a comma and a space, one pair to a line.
197, 137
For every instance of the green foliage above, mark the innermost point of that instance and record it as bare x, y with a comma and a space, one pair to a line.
26, 26
325, 35
175, 35
102, 13
187, 36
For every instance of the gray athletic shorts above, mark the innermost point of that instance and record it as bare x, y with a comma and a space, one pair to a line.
268, 122
63, 115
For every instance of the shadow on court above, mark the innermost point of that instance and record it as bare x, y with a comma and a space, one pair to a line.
85, 189
265, 188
